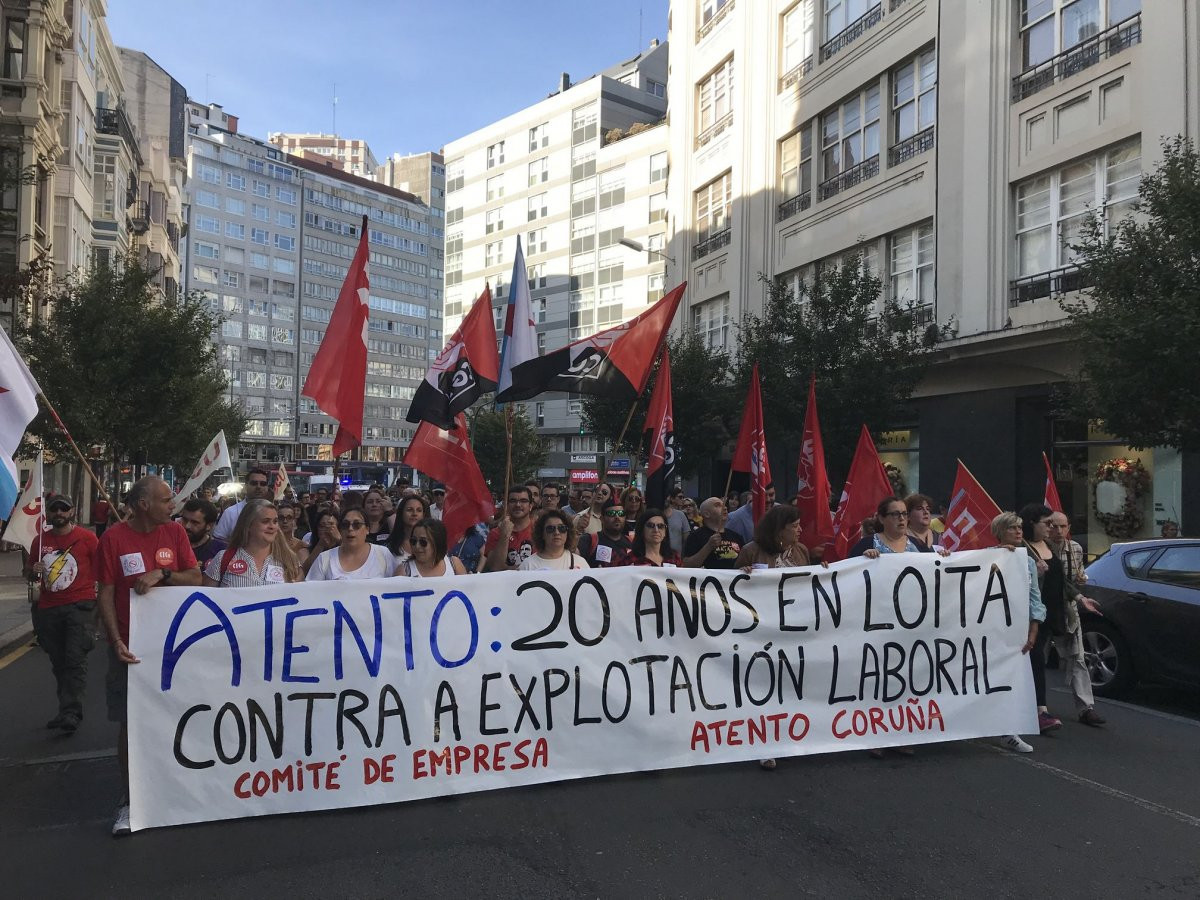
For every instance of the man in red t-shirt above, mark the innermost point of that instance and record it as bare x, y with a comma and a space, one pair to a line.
101, 511
511, 542
143, 552
64, 561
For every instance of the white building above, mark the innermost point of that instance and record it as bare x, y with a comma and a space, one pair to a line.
957, 147
572, 175
351, 155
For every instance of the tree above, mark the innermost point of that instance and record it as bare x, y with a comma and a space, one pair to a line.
703, 406
487, 439
867, 360
1138, 326
129, 369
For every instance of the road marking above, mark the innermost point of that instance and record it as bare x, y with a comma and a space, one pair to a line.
15, 655
1133, 707
81, 756
1148, 805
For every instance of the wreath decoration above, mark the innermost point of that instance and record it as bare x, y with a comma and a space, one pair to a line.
896, 478
1131, 475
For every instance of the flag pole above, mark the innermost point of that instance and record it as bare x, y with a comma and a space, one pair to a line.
507, 455
978, 482
87, 468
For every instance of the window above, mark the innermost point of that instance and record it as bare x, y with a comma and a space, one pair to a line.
612, 187
799, 38
205, 274
495, 154
259, 260
850, 133
208, 224
657, 88
795, 164
535, 241
658, 167
911, 252
235, 206
205, 250
257, 283
583, 235
260, 212
537, 206
285, 242
495, 187
235, 230
235, 255
539, 171
839, 14
208, 199
1052, 208
285, 195
492, 253
285, 219
539, 415
282, 288
261, 188
231, 279
709, 8
256, 332
282, 336
283, 266
454, 175
658, 207
14, 48
1177, 565
494, 220
539, 136
715, 92
712, 206
258, 235
710, 321
914, 96
231, 329
235, 180
208, 174
583, 124
1050, 27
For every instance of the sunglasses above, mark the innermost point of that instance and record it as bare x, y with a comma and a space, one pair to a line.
555, 529
657, 526
420, 542
615, 513
352, 526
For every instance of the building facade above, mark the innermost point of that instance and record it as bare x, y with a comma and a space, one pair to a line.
572, 175
269, 241
955, 148
351, 155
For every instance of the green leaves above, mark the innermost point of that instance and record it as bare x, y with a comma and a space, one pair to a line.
487, 440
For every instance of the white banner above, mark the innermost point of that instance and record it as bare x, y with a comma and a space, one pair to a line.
28, 519
322, 695
215, 458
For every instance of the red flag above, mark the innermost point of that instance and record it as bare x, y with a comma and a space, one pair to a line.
750, 455
969, 516
447, 457
812, 482
465, 370
337, 378
1051, 499
614, 362
866, 485
660, 422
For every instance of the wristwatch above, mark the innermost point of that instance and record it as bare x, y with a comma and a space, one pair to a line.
166, 575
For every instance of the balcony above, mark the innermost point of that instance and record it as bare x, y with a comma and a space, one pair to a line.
795, 73
712, 243
789, 208
139, 218
114, 121
852, 32
912, 147
1054, 283
173, 236
868, 168
707, 28
706, 136
1082, 56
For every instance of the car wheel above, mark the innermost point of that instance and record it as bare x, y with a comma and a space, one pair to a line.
1109, 662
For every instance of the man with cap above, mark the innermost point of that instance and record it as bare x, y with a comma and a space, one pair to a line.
439, 501
64, 561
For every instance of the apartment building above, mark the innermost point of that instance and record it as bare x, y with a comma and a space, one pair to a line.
351, 155
269, 241
955, 147
573, 175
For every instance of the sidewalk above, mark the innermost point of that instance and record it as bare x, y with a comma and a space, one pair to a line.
16, 627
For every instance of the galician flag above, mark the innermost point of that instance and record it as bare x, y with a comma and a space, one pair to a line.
18, 406
28, 519
520, 336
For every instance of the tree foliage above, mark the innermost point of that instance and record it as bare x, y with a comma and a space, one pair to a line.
702, 402
867, 360
487, 439
1138, 326
129, 369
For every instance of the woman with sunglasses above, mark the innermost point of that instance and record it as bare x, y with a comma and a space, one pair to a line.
429, 559
413, 509
353, 558
651, 542
258, 553
634, 503
553, 545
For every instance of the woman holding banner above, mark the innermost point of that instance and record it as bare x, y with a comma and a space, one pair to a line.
651, 542
553, 545
429, 559
1052, 581
353, 558
776, 543
258, 553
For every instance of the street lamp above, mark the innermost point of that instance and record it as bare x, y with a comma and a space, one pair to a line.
639, 248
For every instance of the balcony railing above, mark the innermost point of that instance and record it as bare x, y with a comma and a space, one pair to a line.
704, 30
1082, 56
852, 32
114, 121
173, 236
711, 243
797, 204
911, 147
896, 4
868, 168
795, 73
139, 218
1054, 283
707, 135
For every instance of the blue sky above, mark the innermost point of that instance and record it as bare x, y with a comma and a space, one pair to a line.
410, 76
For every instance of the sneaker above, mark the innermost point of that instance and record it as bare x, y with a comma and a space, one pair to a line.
1091, 717
1015, 744
1047, 722
69, 723
56, 722
121, 822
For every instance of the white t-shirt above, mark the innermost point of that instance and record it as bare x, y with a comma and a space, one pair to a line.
565, 562
379, 564
228, 519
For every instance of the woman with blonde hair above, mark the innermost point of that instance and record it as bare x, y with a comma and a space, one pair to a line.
258, 553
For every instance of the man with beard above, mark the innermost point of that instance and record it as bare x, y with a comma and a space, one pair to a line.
64, 561
198, 519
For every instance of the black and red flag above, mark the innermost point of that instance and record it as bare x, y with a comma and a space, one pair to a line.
750, 454
466, 369
614, 362
660, 422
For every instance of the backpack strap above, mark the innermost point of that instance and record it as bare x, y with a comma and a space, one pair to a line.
226, 559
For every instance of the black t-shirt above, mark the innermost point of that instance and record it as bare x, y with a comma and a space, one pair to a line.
724, 556
601, 551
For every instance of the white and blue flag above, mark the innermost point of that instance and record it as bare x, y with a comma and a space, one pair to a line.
18, 406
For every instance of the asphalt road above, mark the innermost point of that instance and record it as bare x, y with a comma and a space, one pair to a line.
1091, 813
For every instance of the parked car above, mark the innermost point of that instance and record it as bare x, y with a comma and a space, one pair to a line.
1149, 592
